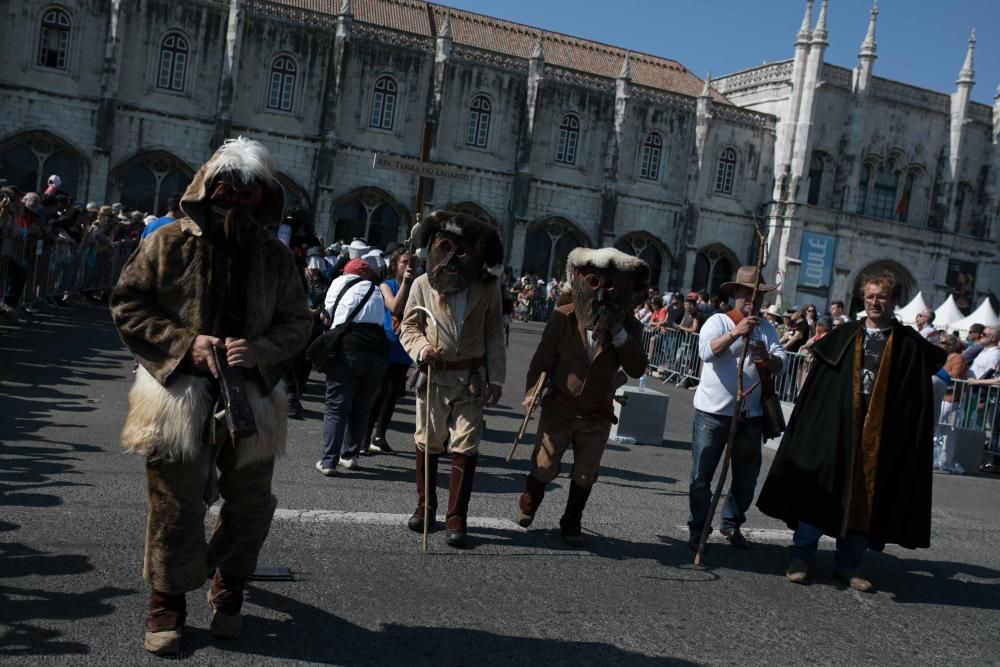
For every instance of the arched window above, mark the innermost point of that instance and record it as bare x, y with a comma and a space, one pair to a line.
652, 148
644, 247
383, 103
547, 246
713, 266
173, 63
28, 160
479, 121
815, 179
147, 181
884, 191
569, 137
726, 173
53, 41
281, 91
369, 214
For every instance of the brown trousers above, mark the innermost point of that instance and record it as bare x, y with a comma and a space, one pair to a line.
178, 559
556, 434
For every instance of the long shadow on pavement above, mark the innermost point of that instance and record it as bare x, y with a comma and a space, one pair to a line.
44, 371
313, 634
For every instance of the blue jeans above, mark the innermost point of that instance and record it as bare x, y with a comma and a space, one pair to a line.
351, 386
708, 443
850, 550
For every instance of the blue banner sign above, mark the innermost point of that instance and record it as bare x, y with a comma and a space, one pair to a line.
817, 260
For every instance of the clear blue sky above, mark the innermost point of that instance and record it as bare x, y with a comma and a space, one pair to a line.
921, 42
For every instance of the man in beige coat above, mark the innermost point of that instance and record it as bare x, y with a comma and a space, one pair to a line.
462, 346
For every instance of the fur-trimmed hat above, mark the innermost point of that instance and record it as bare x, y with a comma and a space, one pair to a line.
250, 160
485, 235
608, 258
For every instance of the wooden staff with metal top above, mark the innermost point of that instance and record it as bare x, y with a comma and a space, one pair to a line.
427, 428
536, 392
728, 453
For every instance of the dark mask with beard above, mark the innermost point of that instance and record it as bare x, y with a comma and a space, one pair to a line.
232, 203
602, 297
453, 263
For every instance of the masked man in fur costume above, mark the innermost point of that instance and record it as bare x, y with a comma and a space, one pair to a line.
584, 345
855, 462
466, 353
216, 279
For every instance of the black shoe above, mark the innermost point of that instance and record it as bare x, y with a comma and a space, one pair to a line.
416, 523
735, 538
295, 409
457, 539
693, 542
380, 446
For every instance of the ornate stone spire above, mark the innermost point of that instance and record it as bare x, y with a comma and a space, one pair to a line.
706, 91
869, 46
819, 34
539, 52
968, 74
445, 31
805, 30
626, 72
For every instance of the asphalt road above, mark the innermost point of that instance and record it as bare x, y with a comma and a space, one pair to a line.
72, 512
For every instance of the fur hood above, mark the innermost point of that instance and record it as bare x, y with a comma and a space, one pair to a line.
461, 224
251, 160
605, 258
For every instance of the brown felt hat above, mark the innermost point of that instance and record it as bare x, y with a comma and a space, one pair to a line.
746, 276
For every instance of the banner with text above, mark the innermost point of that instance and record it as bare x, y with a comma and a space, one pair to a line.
817, 260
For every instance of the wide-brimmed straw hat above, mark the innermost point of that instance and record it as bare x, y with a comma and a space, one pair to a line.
746, 276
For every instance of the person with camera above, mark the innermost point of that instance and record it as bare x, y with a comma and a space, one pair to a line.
356, 366
720, 344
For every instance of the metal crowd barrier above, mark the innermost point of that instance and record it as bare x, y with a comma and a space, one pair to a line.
34, 270
975, 407
673, 354
538, 309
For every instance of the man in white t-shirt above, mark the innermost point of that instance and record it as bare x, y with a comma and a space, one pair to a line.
925, 325
720, 344
989, 358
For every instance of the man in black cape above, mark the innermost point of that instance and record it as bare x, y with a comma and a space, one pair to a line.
855, 461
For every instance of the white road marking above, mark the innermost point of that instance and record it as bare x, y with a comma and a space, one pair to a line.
768, 535
371, 518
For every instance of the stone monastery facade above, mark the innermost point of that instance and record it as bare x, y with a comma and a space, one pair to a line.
562, 141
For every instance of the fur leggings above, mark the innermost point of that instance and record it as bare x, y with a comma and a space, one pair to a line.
178, 559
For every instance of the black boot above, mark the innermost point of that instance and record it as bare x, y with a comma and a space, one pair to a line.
463, 471
529, 500
569, 524
429, 496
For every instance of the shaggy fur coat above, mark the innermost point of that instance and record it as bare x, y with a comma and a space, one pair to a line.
163, 301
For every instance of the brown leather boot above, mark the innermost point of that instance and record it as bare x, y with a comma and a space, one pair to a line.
225, 597
416, 522
529, 500
463, 471
164, 623
569, 524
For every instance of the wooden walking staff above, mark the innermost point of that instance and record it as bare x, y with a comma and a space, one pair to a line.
536, 392
427, 428
733, 424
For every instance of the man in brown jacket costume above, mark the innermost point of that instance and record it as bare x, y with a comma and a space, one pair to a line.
216, 279
466, 353
584, 345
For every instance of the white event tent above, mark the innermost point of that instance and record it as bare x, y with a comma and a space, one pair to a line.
982, 315
908, 313
947, 313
